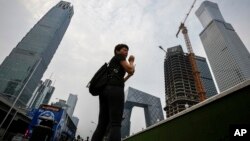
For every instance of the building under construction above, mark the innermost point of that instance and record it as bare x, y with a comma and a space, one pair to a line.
180, 88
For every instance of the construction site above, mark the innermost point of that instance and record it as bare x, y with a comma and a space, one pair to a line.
183, 84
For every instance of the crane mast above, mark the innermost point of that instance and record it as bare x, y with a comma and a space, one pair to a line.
197, 79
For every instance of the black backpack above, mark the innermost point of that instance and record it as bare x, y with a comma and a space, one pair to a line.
99, 80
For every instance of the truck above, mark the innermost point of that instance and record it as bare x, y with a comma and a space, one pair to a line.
50, 123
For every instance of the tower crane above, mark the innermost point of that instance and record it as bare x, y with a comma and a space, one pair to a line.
197, 79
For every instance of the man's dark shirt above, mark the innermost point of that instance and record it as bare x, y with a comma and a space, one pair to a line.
117, 71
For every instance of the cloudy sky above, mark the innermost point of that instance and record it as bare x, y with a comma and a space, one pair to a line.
97, 26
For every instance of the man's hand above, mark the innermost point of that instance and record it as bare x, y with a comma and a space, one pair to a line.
131, 58
130, 74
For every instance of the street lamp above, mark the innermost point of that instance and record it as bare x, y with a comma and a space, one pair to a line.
19, 94
16, 112
9, 124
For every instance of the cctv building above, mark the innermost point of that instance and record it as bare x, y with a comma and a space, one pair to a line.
180, 87
152, 109
228, 57
22, 70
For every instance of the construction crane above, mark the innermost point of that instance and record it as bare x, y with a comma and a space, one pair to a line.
197, 79
162, 49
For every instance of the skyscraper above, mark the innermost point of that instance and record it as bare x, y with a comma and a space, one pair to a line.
206, 76
227, 55
42, 94
75, 120
25, 65
179, 81
71, 102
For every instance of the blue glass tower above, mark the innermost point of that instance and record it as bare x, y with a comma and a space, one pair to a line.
27, 62
206, 76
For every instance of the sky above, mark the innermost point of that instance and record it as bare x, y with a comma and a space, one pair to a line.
97, 26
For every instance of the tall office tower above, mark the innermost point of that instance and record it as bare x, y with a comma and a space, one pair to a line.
71, 102
25, 65
42, 94
227, 55
179, 81
206, 76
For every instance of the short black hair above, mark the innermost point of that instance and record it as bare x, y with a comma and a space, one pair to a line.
119, 47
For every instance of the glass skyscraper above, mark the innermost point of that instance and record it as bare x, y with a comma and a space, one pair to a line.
206, 76
42, 94
25, 65
227, 55
71, 102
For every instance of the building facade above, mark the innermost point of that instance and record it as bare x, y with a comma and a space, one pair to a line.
227, 55
42, 94
25, 65
75, 120
180, 87
60, 103
152, 109
71, 102
206, 76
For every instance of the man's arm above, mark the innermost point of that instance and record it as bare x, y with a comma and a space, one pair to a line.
127, 77
129, 74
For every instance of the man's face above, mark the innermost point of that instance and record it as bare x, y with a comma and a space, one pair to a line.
123, 52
